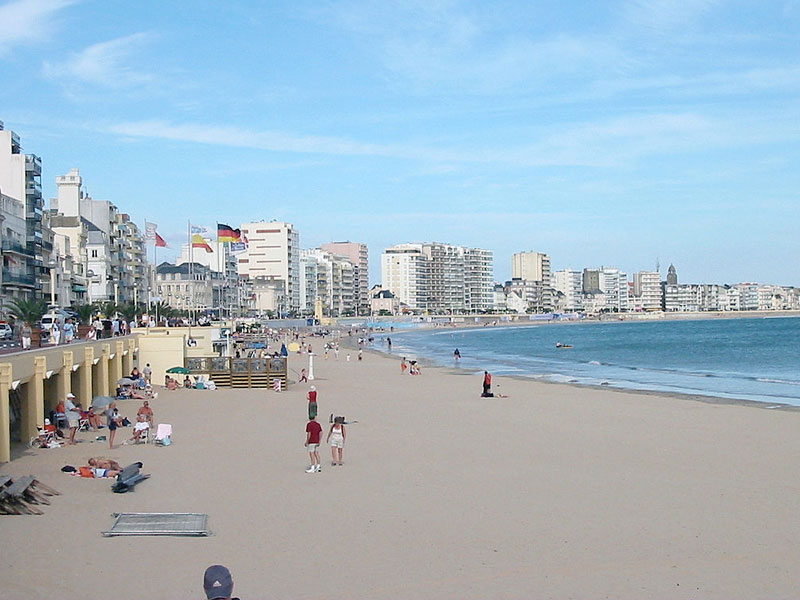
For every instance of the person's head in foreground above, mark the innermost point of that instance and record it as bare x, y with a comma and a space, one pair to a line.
218, 583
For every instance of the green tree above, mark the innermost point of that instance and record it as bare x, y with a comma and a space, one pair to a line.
28, 311
109, 309
85, 312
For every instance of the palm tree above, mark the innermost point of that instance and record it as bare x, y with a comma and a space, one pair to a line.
109, 309
28, 311
85, 312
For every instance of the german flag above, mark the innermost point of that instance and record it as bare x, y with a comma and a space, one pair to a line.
225, 233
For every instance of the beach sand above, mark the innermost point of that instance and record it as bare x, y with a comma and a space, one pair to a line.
554, 492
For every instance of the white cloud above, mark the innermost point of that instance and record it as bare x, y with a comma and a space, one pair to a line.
664, 17
27, 21
604, 143
105, 64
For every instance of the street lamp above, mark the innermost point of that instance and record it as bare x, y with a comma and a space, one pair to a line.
52, 266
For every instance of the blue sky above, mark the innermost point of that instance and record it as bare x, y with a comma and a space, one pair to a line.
603, 133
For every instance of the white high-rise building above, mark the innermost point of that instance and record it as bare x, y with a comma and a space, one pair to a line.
439, 277
273, 253
23, 252
531, 266
568, 283
328, 278
404, 272
647, 290
535, 267
107, 242
358, 255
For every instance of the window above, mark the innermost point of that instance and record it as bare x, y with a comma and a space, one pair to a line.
94, 253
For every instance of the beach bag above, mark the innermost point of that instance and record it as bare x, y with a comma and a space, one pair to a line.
166, 441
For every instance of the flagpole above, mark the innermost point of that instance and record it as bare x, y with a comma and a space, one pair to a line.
191, 273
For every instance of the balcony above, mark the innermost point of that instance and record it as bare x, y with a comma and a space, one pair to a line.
11, 246
18, 279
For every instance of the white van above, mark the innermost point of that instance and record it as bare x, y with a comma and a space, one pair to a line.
53, 316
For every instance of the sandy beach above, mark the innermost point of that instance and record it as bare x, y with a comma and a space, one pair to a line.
554, 492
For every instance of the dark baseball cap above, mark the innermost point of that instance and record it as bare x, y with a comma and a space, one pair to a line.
217, 582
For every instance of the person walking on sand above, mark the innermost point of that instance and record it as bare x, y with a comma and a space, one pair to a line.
312, 402
313, 435
336, 437
360, 354
487, 383
403, 366
303, 376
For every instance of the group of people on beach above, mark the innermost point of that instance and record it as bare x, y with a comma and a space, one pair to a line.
337, 434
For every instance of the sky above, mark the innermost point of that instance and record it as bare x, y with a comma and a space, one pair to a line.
623, 133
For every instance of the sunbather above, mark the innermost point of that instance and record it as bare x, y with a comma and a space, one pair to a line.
101, 462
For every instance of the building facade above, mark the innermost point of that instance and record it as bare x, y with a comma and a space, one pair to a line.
439, 277
20, 187
328, 278
568, 284
647, 291
273, 253
358, 255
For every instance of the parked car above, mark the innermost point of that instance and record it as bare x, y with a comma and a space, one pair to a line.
6, 331
53, 317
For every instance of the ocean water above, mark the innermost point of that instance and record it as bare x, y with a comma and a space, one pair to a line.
750, 359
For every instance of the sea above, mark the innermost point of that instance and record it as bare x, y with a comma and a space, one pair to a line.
756, 359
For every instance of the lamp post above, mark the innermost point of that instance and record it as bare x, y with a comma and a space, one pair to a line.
52, 266
310, 366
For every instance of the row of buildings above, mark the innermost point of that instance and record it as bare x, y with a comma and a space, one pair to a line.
82, 250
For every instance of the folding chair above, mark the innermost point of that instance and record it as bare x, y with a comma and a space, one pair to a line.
163, 432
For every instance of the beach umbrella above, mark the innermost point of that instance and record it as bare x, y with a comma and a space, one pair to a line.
126, 381
294, 347
284, 351
181, 370
102, 401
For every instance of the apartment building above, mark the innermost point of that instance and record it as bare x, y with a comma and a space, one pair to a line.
605, 289
358, 255
273, 253
329, 279
647, 291
439, 277
106, 244
568, 284
21, 202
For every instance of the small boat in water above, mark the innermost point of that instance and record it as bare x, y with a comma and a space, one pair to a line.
560, 345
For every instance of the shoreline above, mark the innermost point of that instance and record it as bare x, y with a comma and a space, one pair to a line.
428, 363
699, 396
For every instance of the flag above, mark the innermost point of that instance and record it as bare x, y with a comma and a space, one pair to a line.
199, 229
199, 242
226, 233
238, 247
150, 230
160, 242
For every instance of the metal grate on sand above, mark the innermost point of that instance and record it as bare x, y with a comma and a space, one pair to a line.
189, 524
